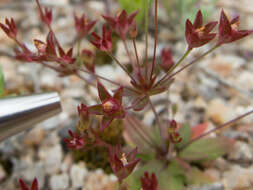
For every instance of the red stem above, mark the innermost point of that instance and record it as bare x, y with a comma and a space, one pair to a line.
136, 54
155, 40
218, 128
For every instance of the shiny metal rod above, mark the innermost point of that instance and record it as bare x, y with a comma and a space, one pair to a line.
20, 113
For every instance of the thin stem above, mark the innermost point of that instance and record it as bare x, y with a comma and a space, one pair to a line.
142, 135
108, 80
155, 40
166, 77
177, 64
78, 47
218, 128
146, 29
86, 80
145, 132
136, 53
170, 151
128, 53
146, 37
195, 60
157, 119
121, 66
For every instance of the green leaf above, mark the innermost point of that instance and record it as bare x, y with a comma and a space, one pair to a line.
1, 82
185, 133
146, 157
196, 176
170, 178
207, 149
173, 178
134, 182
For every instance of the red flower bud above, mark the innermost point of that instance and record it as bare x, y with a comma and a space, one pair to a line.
66, 57
103, 43
167, 60
34, 185
121, 23
83, 26
149, 183
45, 16
9, 28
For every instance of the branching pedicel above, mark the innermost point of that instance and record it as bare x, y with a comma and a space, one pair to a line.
175, 143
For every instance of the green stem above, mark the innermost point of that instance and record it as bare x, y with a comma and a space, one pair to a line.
166, 77
78, 47
194, 61
175, 66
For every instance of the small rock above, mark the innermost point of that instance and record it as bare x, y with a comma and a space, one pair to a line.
241, 153
98, 180
2, 173
34, 137
52, 157
219, 111
245, 80
55, 3
221, 164
213, 173
238, 178
29, 170
77, 174
214, 186
59, 182
67, 163
225, 64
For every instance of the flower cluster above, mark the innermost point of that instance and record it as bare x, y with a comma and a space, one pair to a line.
198, 35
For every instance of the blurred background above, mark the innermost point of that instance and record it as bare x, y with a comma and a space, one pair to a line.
216, 90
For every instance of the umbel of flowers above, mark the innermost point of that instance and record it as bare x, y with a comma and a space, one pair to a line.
174, 145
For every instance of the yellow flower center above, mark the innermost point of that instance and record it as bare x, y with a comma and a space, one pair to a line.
123, 159
108, 106
200, 31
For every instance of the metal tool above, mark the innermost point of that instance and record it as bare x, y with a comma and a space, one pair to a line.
23, 112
